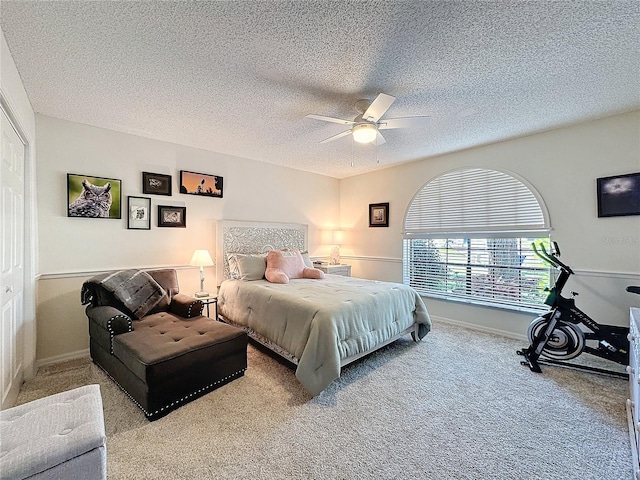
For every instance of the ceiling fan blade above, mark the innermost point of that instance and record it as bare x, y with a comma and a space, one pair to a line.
379, 139
404, 122
330, 119
378, 107
335, 137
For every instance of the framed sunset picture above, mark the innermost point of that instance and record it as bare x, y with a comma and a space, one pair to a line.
202, 184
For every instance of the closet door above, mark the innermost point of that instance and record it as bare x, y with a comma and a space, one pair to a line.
12, 238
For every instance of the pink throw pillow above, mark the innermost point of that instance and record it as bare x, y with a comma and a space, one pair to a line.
282, 266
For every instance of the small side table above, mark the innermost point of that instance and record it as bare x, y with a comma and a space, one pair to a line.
210, 300
343, 269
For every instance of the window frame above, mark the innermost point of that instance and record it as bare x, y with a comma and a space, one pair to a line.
530, 223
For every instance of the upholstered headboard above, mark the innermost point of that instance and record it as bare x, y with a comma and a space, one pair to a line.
234, 236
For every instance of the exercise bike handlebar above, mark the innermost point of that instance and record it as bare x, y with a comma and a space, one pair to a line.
550, 258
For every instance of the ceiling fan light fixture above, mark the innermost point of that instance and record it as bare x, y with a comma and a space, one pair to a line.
364, 133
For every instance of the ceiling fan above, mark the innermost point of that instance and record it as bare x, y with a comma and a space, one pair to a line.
366, 127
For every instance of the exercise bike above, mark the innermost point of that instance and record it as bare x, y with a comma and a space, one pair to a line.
556, 335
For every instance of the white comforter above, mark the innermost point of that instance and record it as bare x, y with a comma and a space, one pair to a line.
323, 321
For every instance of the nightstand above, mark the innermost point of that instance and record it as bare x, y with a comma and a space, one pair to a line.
343, 269
210, 300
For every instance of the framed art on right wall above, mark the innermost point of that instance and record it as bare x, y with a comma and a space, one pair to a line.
379, 214
619, 195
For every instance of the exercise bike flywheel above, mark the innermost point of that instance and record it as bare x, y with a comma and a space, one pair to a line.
567, 340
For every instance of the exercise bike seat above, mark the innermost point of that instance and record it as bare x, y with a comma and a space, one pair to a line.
633, 289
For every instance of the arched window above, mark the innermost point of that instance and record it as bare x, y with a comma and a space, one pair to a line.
468, 235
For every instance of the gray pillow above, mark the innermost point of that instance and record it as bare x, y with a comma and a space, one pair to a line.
247, 267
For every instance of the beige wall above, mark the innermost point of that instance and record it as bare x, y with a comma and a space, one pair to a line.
562, 165
72, 249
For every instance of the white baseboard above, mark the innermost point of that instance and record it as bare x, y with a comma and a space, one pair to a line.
62, 358
85, 353
481, 328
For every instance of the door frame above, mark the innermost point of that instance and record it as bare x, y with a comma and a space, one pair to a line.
30, 235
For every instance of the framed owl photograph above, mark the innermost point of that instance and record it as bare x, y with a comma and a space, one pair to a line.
93, 197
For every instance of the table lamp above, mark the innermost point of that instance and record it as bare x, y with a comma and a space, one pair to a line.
201, 258
337, 239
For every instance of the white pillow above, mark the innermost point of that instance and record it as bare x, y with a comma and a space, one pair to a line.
247, 267
307, 259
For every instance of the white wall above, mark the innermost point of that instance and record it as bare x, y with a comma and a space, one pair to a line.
72, 249
16, 103
562, 165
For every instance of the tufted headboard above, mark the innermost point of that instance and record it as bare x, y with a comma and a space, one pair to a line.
236, 236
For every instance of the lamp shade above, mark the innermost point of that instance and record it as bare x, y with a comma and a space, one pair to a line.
338, 237
202, 258
364, 133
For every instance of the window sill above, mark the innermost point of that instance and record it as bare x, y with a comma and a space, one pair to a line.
478, 303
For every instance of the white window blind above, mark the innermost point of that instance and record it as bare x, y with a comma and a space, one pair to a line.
474, 200
468, 236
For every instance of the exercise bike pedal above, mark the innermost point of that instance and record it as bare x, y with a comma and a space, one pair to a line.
533, 366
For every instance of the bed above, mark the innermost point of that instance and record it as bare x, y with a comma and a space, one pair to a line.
318, 325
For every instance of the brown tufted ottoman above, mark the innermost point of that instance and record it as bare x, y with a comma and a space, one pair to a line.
168, 357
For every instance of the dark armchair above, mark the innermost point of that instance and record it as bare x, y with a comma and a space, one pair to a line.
169, 355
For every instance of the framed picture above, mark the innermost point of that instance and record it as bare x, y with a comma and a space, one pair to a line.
172, 216
139, 217
201, 184
379, 214
156, 184
93, 197
619, 195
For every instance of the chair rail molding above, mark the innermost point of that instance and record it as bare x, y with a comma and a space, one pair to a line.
91, 273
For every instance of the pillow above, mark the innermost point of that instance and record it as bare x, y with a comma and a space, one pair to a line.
247, 267
282, 266
307, 259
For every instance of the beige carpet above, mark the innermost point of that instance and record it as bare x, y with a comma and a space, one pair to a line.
458, 405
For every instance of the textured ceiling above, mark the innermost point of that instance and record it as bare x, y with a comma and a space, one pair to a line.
239, 77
